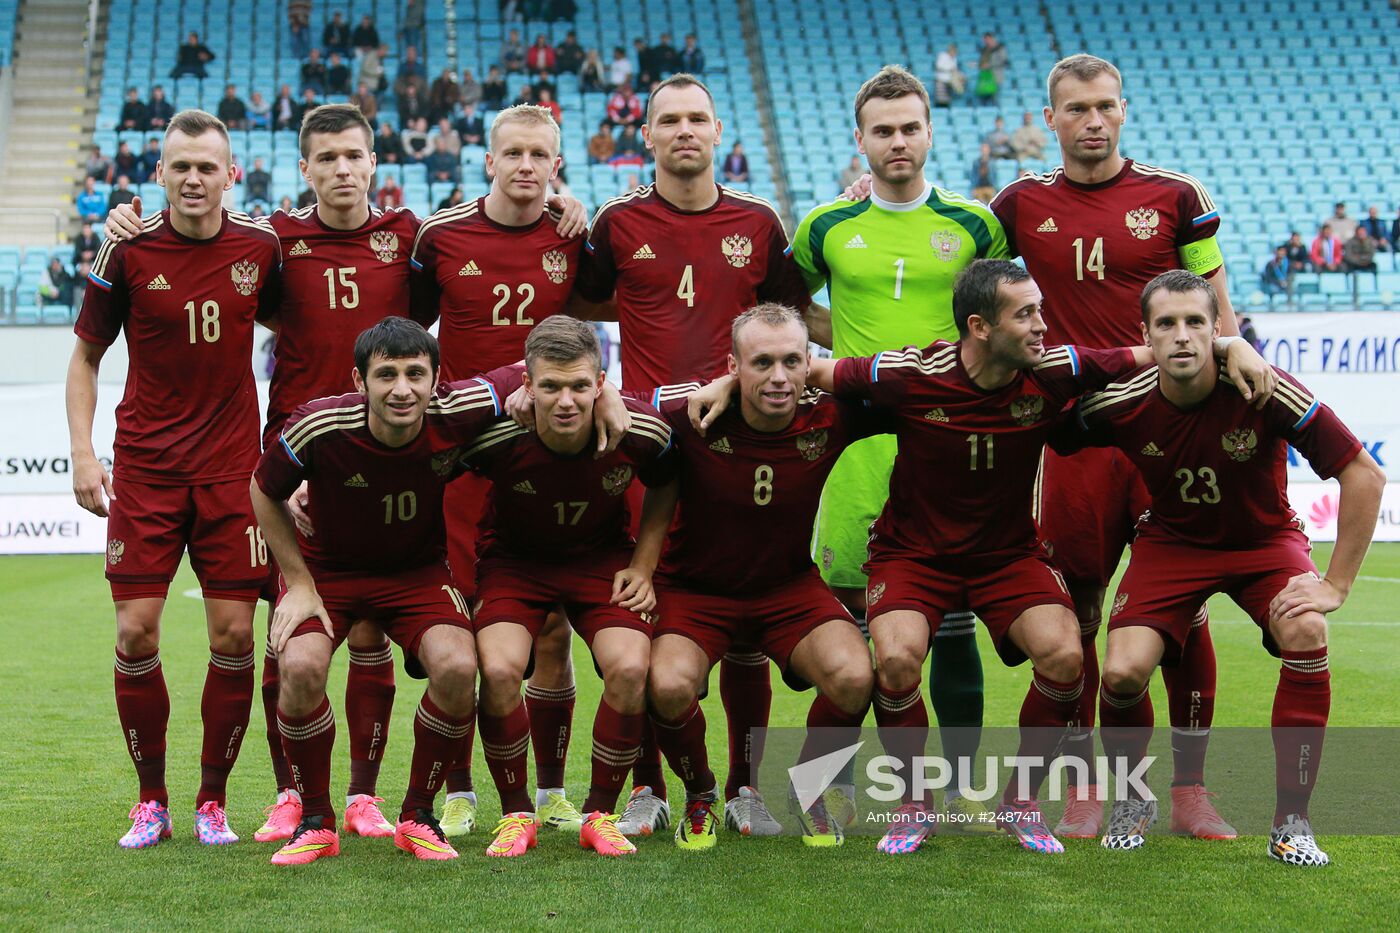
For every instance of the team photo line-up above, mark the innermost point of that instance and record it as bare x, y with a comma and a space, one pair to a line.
479, 496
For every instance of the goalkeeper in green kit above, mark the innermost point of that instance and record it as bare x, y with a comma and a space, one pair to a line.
889, 263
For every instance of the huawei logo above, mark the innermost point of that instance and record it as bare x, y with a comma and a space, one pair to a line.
1323, 512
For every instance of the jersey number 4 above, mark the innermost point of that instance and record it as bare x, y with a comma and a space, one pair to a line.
1093, 264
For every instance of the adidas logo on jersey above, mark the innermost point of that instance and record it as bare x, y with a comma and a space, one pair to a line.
1152, 450
527, 487
357, 482
301, 249
936, 415
1048, 226
722, 446
856, 242
471, 268
159, 284
644, 252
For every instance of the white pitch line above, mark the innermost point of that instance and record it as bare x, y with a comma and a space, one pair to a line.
1345, 623
1378, 579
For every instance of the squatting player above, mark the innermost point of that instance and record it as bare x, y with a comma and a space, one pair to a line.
761, 465
680, 259
976, 414
375, 463
889, 263
1220, 522
186, 294
555, 533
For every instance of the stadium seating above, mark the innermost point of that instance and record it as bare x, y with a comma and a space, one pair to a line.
8, 8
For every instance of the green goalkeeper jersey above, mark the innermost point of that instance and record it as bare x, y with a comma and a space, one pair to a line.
889, 268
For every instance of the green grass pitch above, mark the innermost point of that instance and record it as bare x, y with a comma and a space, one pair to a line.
66, 784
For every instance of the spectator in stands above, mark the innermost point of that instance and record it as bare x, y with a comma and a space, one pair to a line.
468, 90
372, 69
1326, 252
307, 104
259, 112
125, 162
1359, 253
369, 104
336, 36
619, 69
365, 37
232, 110
540, 56
337, 75
98, 166
313, 73
493, 89
149, 160
134, 115
692, 59
388, 147
999, 140
568, 57
601, 144
591, 74
527, 95
441, 164
984, 175
1342, 225
411, 75
92, 206
1376, 229
56, 284
257, 210
513, 53
665, 60
258, 185
85, 244
629, 148
991, 69
1298, 256
411, 106
736, 164
442, 97
389, 194
299, 24
452, 200
286, 205
415, 140
192, 58
306, 198
646, 63
543, 82
471, 129
1028, 142
159, 109
1395, 231
624, 107
411, 23
632, 183
1277, 275
122, 193
559, 184
548, 102
444, 130
949, 82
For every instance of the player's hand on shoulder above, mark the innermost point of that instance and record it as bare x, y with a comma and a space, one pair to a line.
573, 219
709, 402
298, 503
632, 590
1250, 372
521, 408
611, 419
1305, 592
90, 482
299, 603
124, 221
858, 191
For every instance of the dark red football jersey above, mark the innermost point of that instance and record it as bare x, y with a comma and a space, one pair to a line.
738, 480
1217, 472
378, 508
1092, 248
190, 411
490, 283
543, 506
336, 283
682, 277
964, 477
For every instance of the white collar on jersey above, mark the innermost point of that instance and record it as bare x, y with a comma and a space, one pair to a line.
902, 205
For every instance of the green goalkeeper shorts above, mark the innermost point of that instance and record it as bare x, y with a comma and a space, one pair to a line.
853, 498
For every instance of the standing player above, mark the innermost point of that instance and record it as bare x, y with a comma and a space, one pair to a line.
556, 534
396, 438
186, 295
682, 258
493, 268
889, 263
760, 466
1220, 522
1093, 233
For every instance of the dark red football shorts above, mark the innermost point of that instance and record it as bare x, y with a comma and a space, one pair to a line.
1088, 506
525, 591
149, 528
404, 604
1167, 581
773, 621
997, 589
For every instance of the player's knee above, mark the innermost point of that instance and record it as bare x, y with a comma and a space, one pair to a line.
454, 676
1124, 676
669, 692
900, 667
1062, 660
849, 687
627, 674
500, 675
1304, 632
303, 673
